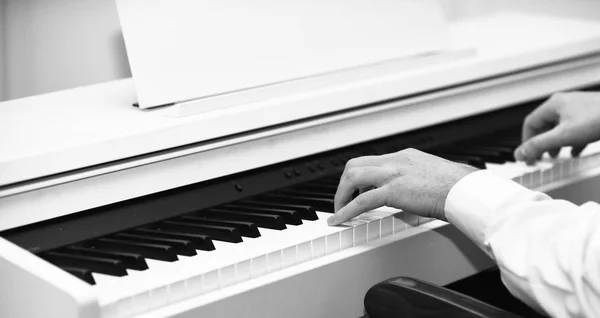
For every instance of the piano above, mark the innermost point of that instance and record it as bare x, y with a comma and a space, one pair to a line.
110, 210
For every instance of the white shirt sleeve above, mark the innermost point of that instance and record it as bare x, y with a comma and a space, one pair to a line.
548, 251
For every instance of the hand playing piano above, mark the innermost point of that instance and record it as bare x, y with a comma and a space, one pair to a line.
566, 119
410, 180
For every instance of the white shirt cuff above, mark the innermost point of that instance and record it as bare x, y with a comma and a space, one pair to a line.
473, 202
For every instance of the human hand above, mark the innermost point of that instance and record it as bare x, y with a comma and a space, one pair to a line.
410, 180
566, 119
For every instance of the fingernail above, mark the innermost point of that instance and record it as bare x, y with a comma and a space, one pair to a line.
520, 153
331, 220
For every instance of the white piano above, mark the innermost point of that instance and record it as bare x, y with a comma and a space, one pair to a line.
214, 203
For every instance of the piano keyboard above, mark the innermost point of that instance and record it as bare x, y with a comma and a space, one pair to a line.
145, 253
210, 249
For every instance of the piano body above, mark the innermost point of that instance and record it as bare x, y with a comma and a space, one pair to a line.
108, 210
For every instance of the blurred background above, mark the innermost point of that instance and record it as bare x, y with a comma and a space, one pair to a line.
49, 45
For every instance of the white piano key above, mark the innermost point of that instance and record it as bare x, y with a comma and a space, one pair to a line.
210, 281
258, 265
243, 270
346, 240
304, 252
332, 243
103, 279
177, 291
373, 230
227, 275
387, 226
289, 256
274, 260
318, 247
141, 301
411, 219
400, 222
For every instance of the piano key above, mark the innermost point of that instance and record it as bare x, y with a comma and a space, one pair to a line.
247, 229
474, 161
506, 153
307, 212
291, 217
318, 204
81, 273
109, 266
306, 193
103, 279
199, 241
274, 222
181, 247
148, 250
130, 260
510, 143
221, 233
486, 155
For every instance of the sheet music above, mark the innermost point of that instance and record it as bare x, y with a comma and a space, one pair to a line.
188, 49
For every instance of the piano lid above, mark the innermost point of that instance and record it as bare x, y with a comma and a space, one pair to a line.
181, 50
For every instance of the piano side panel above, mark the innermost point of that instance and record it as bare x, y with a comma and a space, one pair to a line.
335, 286
31, 287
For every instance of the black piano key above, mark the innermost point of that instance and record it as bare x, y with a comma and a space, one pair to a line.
474, 161
199, 241
307, 212
220, 233
306, 193
130, 260
81, 273
325, 205
247, 229
494, 142
289, 216
103, 265
268, 221
486, 155
506, 153
181, 247
148, 250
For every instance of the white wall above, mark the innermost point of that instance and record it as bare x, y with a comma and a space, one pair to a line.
2, 62
57, 44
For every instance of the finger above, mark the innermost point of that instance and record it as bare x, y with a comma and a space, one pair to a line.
536, 146
554, 152
363, 161
366, 189
355, 179
541, 119
365, 202
577, 150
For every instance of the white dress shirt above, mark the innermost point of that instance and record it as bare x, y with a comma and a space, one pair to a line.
548, 251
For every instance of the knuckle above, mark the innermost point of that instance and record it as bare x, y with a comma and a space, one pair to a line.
352, 174
528, 120
560, 99
351, 163
362, 199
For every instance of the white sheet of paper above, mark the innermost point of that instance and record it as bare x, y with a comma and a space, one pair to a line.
182, 50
